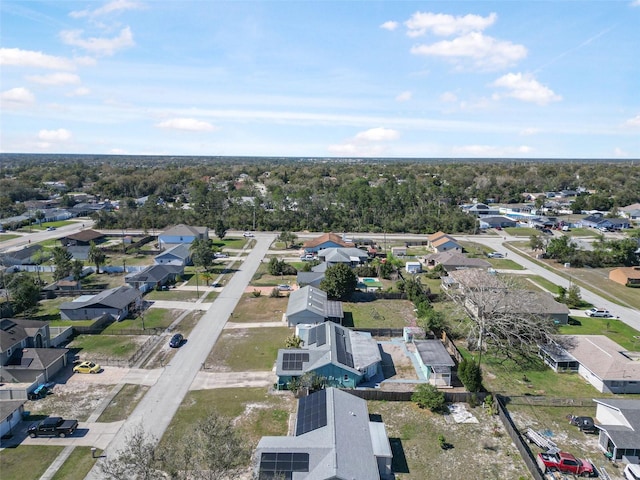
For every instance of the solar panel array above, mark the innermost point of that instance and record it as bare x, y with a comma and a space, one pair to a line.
282, 465
344, 357
312, 335
312, 412
294, 361
321, 335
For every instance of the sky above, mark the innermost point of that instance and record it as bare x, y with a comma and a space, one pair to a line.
354, 79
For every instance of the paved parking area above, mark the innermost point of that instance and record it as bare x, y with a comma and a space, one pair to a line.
88, 434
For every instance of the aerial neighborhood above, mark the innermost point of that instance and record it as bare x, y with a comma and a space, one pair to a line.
380, 326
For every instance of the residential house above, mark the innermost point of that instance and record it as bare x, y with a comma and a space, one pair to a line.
518, 302
311, 278
80, 252
25, 354
11, 412
631, 211
56, 215
601, 361
453, 260
468, 280
182, 234
399, 251
597, 220
435, 362
82, 238
343, 357
441, 242
499, 221
176, 255
115, 302
350, 256
310, 305
482, 210
328, 240
333, 439
85, 209
153, 276
25, 256
628, 276
618, 422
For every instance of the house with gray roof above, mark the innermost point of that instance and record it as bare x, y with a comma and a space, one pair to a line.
310, 305
182, 234
153, 276
345, 358
24, 351
310, 278
618, 422
116, 302
24, 256
453, 260
10, 415
333, 439
435, 362
176, 255
350, 256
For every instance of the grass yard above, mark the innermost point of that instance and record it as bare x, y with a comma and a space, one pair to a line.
153, 318
522, 231
480, 450
250, 349
7, 236
379, 314
583, 232
616, 330
100, 346
77, 466
49, 310
102, 281
544, 283
267, 280
504, 264
175, 295
255, 411
27, 462
123, 403
260, 309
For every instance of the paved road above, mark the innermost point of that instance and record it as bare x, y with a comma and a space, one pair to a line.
155, 411
630, 316
41, 235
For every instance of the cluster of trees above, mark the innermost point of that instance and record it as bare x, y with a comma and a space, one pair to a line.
291, 195
605, 253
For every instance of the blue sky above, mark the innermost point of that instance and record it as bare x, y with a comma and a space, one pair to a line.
549, 79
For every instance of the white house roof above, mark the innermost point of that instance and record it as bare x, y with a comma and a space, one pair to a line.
604, 357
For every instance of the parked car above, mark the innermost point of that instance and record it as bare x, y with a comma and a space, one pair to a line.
632, 471
566, 463
495, 255
248, 234
53, 427
284, 287
308, 256
220, 255
87, 367
565, 228
50, 229
585, 424
176, 340
598, 312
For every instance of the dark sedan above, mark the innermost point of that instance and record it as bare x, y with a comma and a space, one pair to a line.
176, 340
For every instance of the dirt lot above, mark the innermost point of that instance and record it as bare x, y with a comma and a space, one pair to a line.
395, 364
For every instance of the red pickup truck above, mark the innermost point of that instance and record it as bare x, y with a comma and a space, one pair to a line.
567, 463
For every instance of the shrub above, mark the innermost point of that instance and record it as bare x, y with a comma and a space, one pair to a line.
470, 375
428, 396
256, 293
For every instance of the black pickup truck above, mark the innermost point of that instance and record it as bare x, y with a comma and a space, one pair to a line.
53, 427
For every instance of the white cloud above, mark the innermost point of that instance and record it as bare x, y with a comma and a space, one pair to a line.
98, 46
59, 78
79, 92
491, 151
444, 25
448, 97
379, 134
526, 88
618, 152
60, 135
113, 6
18, 96
486, 52
390, 25
635, 3
29, 58
189, 124
355, 150
529, 131
635, 121
404, 96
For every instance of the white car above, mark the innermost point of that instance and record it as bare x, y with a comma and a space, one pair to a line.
220, 255
598, 312
632, 471
495, 255
248, 234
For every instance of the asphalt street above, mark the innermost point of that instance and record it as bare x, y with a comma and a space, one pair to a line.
156, 409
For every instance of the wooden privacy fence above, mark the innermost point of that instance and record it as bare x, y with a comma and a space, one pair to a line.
405, 395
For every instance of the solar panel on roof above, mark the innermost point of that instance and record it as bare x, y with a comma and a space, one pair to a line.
312, 335
281, 465
294, 361
344, 357
312, 412
321, 335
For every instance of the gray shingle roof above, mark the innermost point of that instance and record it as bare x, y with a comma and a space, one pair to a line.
623, 436
118, 298
433, 353
307, 298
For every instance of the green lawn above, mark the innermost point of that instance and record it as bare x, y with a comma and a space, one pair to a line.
251, 349
521, 231
77, 466
259, 309
379, 313
123, 403
544, 283
117, 346
26, 462
582, 232
256, 413
176, 295
153, 318
616, 330
504, 264
7, 236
